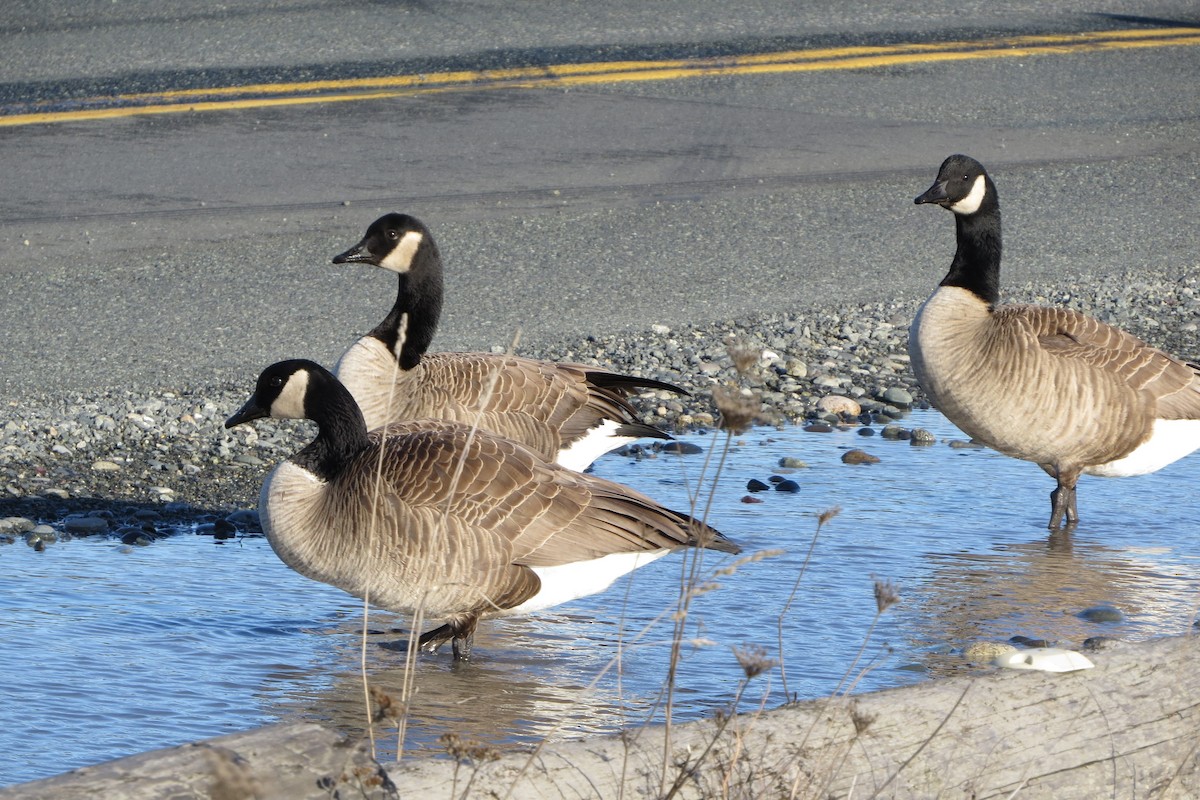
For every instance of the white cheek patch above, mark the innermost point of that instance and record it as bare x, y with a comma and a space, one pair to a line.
401, 257
971, 203
290, 403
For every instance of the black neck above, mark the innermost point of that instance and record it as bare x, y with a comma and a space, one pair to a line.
414, 317
976, 264
341, 429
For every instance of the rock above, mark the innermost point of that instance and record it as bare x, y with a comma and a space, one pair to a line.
1099, 643
224, 529
38, 538
818, 427
749, 498
85, 525
755, 485
857, 456
839, 404
921, 436
796, 368
787, 485
827, 382
16, 525
1101, 614
961, 444
1025, 641
682, 448
897, 432
897, 397
791, 462
105, 466
246, 519
866, 431
986, 652
134, 536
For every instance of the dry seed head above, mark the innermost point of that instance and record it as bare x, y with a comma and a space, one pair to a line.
462, 749
828, 514
739, 409
886, 595
743, 354
753, 659
386, 705
861, 719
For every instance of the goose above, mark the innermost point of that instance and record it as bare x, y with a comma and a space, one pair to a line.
436, 516
1048, 385
569, 413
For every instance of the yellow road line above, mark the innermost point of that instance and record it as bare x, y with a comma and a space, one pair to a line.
818, 59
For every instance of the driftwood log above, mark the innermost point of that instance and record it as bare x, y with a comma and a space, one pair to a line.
1130, 728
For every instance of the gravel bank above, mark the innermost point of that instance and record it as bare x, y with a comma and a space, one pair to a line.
136, 456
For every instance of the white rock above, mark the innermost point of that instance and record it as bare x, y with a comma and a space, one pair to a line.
838, 404
1047, 659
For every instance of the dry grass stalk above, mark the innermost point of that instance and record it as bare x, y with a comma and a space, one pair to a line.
823, 519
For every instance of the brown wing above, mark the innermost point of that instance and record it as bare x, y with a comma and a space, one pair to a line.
1069, 334
528, 400
542, 514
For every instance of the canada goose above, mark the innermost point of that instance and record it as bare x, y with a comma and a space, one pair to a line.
569, 413
1047, 385
437, 516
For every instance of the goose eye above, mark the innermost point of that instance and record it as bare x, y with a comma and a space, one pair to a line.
276, 382
393, 235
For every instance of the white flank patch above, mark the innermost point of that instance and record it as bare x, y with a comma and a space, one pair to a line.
971, 203
580, 454
571, 581
1170, 440
290, 403
401, 257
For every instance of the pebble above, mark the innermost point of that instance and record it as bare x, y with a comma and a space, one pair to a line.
39, 539
896, 396
681, 448
819, 427
749, 498
986, 652
791, 462
1025, 641
857, 456
105, 466
787, 485
1101, 614
920, 436
839, 404
755, 485
893, 431
16, 525
85, 525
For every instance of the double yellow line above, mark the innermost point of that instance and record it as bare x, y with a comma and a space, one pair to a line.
267, 95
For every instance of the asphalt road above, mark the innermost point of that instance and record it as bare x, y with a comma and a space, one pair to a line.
181, 249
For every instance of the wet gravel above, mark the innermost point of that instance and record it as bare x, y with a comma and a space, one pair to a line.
127, 463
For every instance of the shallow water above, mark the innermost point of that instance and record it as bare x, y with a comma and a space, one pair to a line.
109, 650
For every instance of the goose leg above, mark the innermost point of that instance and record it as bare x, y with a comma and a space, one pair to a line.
1062, 501
460, 634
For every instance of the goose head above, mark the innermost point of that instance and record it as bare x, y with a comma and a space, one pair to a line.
282, 391
962, 185
392, 242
